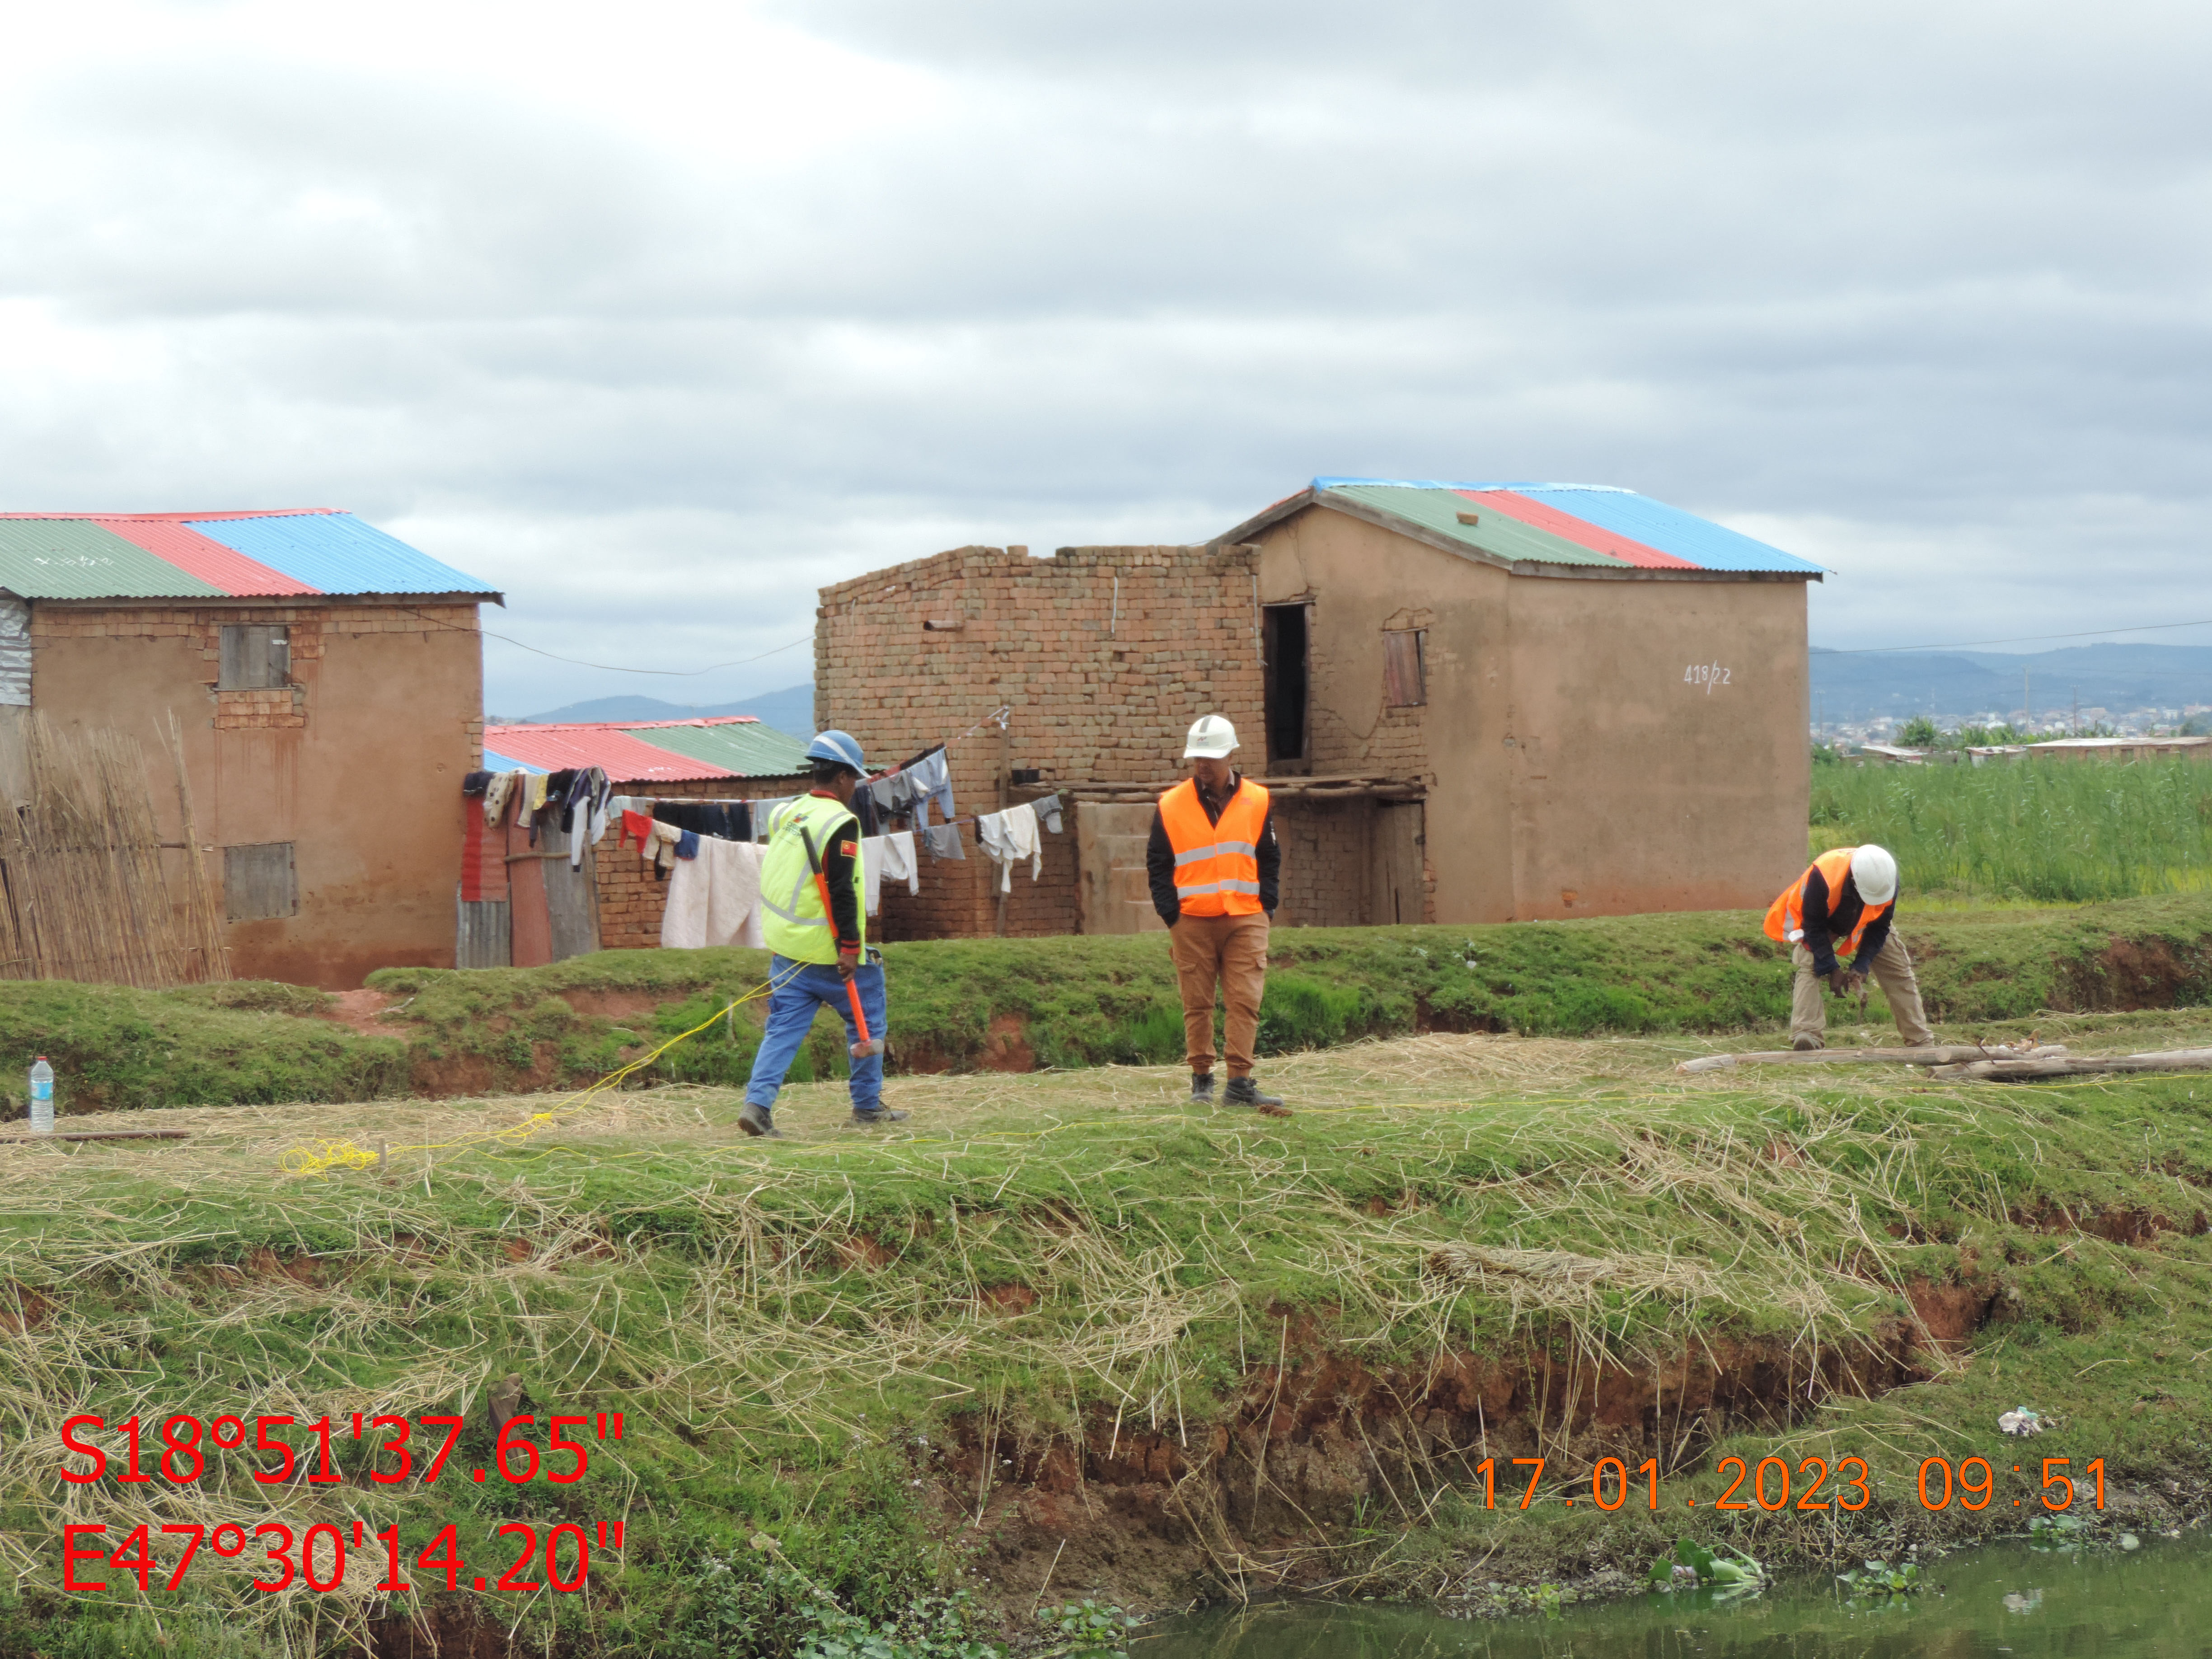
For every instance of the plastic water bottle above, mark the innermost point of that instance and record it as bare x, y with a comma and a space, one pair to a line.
42, 1097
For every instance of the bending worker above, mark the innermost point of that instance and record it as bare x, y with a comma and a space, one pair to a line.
818, 954
1214, 863
1846, 901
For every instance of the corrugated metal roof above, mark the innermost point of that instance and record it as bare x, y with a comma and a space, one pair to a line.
194, 553
748, 748
78, 559
283, 553
1539, 523
508, 764
611, 748
337, 553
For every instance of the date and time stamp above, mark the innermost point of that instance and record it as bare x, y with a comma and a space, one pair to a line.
180, 1451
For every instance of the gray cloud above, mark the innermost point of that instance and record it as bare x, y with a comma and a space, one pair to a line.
1918, 291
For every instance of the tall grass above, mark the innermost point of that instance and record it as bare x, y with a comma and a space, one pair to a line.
2057, 831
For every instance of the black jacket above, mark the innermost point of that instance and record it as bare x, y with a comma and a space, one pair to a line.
1159, 857
1830, 917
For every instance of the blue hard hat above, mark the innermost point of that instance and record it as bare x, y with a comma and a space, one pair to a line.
839, 746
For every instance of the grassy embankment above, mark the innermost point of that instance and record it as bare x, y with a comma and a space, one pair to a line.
1202, 1348
2033, 830
1059, 1003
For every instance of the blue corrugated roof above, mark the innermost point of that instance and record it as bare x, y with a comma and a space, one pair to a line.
1702, 542
502, 763
337, 553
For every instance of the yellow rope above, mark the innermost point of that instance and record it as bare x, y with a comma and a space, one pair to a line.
324, 1156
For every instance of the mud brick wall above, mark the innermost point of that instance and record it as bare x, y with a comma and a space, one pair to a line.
1329, 849
1105, 655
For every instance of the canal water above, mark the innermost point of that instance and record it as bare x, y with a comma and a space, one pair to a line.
2154, 1602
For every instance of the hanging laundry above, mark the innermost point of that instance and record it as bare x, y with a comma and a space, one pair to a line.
1048, 811
687, 844
887, 855
495, 794
893, 795
714, 899
765, 813
944, 841
474, 783
636, 827
1008, 837
534, 791
931, 780
659, 850
863, 808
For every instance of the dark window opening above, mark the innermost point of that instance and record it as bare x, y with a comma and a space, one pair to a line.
1405, 672
255, 657
1284, 645
259, 882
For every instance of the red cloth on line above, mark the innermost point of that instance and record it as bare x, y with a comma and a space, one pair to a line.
636, 827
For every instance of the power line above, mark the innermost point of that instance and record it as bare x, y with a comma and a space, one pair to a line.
613, 668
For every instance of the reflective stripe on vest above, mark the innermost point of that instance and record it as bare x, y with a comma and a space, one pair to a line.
1217, 866
1785, 917
792, 923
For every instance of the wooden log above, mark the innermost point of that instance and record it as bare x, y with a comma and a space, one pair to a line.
2008, 1071
102, 1134
1941, 1055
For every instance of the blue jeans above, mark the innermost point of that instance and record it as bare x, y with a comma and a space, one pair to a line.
800, 989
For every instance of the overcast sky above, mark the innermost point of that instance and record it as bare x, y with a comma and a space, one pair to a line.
658, 316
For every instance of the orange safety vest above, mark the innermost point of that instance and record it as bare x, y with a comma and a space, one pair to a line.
1217, 866
1785, 917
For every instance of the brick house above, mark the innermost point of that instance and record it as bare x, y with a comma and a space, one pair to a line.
328, 682
533, 908
1473, 703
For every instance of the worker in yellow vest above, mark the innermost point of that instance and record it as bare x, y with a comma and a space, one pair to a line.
1214, 863
817, 953
1846, 901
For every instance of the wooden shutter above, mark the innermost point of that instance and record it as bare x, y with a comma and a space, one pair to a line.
1405, 685
259, 882
254, 657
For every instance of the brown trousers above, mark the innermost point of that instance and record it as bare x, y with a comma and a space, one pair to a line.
1892, 970
1231, 951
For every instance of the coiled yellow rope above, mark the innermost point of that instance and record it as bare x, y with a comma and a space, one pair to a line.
325, 1155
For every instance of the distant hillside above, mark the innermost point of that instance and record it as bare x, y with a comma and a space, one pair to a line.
790, 710
1850, 685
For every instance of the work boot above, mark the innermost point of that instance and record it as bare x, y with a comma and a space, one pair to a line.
1201, 1088
1806, 1045
882, 1115
1245, 1091
758, 1121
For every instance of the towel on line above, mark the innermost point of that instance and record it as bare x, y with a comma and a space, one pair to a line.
714, 897
887, 855
1009, 837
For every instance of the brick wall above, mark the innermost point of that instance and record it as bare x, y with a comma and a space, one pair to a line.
1105, 655
1328, 850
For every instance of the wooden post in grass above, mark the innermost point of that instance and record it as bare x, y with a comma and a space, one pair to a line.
1006, 786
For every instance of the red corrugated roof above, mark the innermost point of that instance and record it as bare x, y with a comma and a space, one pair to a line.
176, 543
612, 749
1566, 526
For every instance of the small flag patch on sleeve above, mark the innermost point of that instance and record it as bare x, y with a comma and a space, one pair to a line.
851, 849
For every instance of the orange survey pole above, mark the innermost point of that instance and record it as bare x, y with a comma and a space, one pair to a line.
868, 1046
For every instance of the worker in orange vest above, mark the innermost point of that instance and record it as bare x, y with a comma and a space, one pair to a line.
1846, 901
1214, 862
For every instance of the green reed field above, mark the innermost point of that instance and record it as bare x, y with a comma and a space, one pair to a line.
2039, 830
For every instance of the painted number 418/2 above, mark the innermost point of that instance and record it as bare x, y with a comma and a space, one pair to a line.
1707, 674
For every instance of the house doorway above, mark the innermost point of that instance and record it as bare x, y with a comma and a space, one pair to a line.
1283, 645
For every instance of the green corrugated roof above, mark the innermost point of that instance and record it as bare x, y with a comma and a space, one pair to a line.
72, 559
750, 751
1496, 534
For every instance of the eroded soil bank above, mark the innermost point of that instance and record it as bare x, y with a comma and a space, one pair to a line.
1063, 1335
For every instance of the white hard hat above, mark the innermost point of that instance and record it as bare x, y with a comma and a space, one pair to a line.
1212, 737
1874, 873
